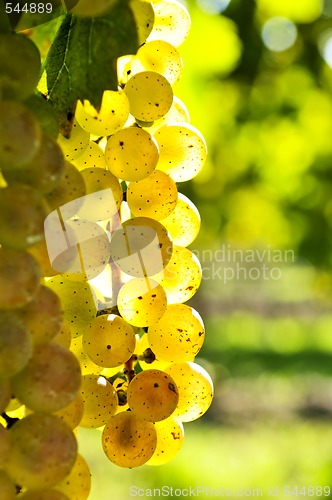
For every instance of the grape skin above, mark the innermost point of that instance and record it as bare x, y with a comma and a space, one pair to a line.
152, 395
100, 401
7, 487
43, 451
15, 344
43, 495
170, 437
77, 484
129, 441
5, 445
50, 380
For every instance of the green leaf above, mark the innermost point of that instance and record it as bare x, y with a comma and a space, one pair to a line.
81, 62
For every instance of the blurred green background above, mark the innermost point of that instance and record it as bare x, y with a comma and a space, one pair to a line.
257, 83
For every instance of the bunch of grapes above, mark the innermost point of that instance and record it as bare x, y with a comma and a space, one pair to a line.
95, 271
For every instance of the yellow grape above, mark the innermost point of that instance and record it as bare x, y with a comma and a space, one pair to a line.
109, 340
77, 484
72, 413
44, 171
183, 151
100, 401
87, 365
184, 222
19, 278
195, 390
15, 344
113, 114
181, 277
178, 335
42, 495
43, 451
4, 445
155, 196
161, 57
86, 8
150, 95
67, 195
146, 357
104, 195
7, 487
63, 336
144, 18
43, 315
141, 301
177, 113
129, 441
172, 22
50, 380
74, 146
77, 301
22, 214
5, 394
131, 154
93, 157
141, 247
40, 253
16, 121
170, 437
19, 66
152, 395
85, 250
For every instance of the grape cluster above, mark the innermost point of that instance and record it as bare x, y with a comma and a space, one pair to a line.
95, 271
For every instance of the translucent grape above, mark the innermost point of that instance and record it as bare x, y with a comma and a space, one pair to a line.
131, 154
152, 395
88, 367
129, 441
109, 340
5, 394
42, 109
141, 247
86, 8
170, 437
50, 380
4, 445
22, 214
7, 487
43, 315
146, 356
150, 95
184, 222
43, 451
93, 157
195, 390
19, 66
44, 171
181, 277
15, 344
177, 113
77, 302
141, 301
172, 22
113, 114
74, 146
183, 151
40, 253
17, 121
144, 18
72, 414
68, 194
19, 278
100, 401
178, 335
161, 57
155, 196
104, 194
63, 336
42, 495
77, 484
83, 252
